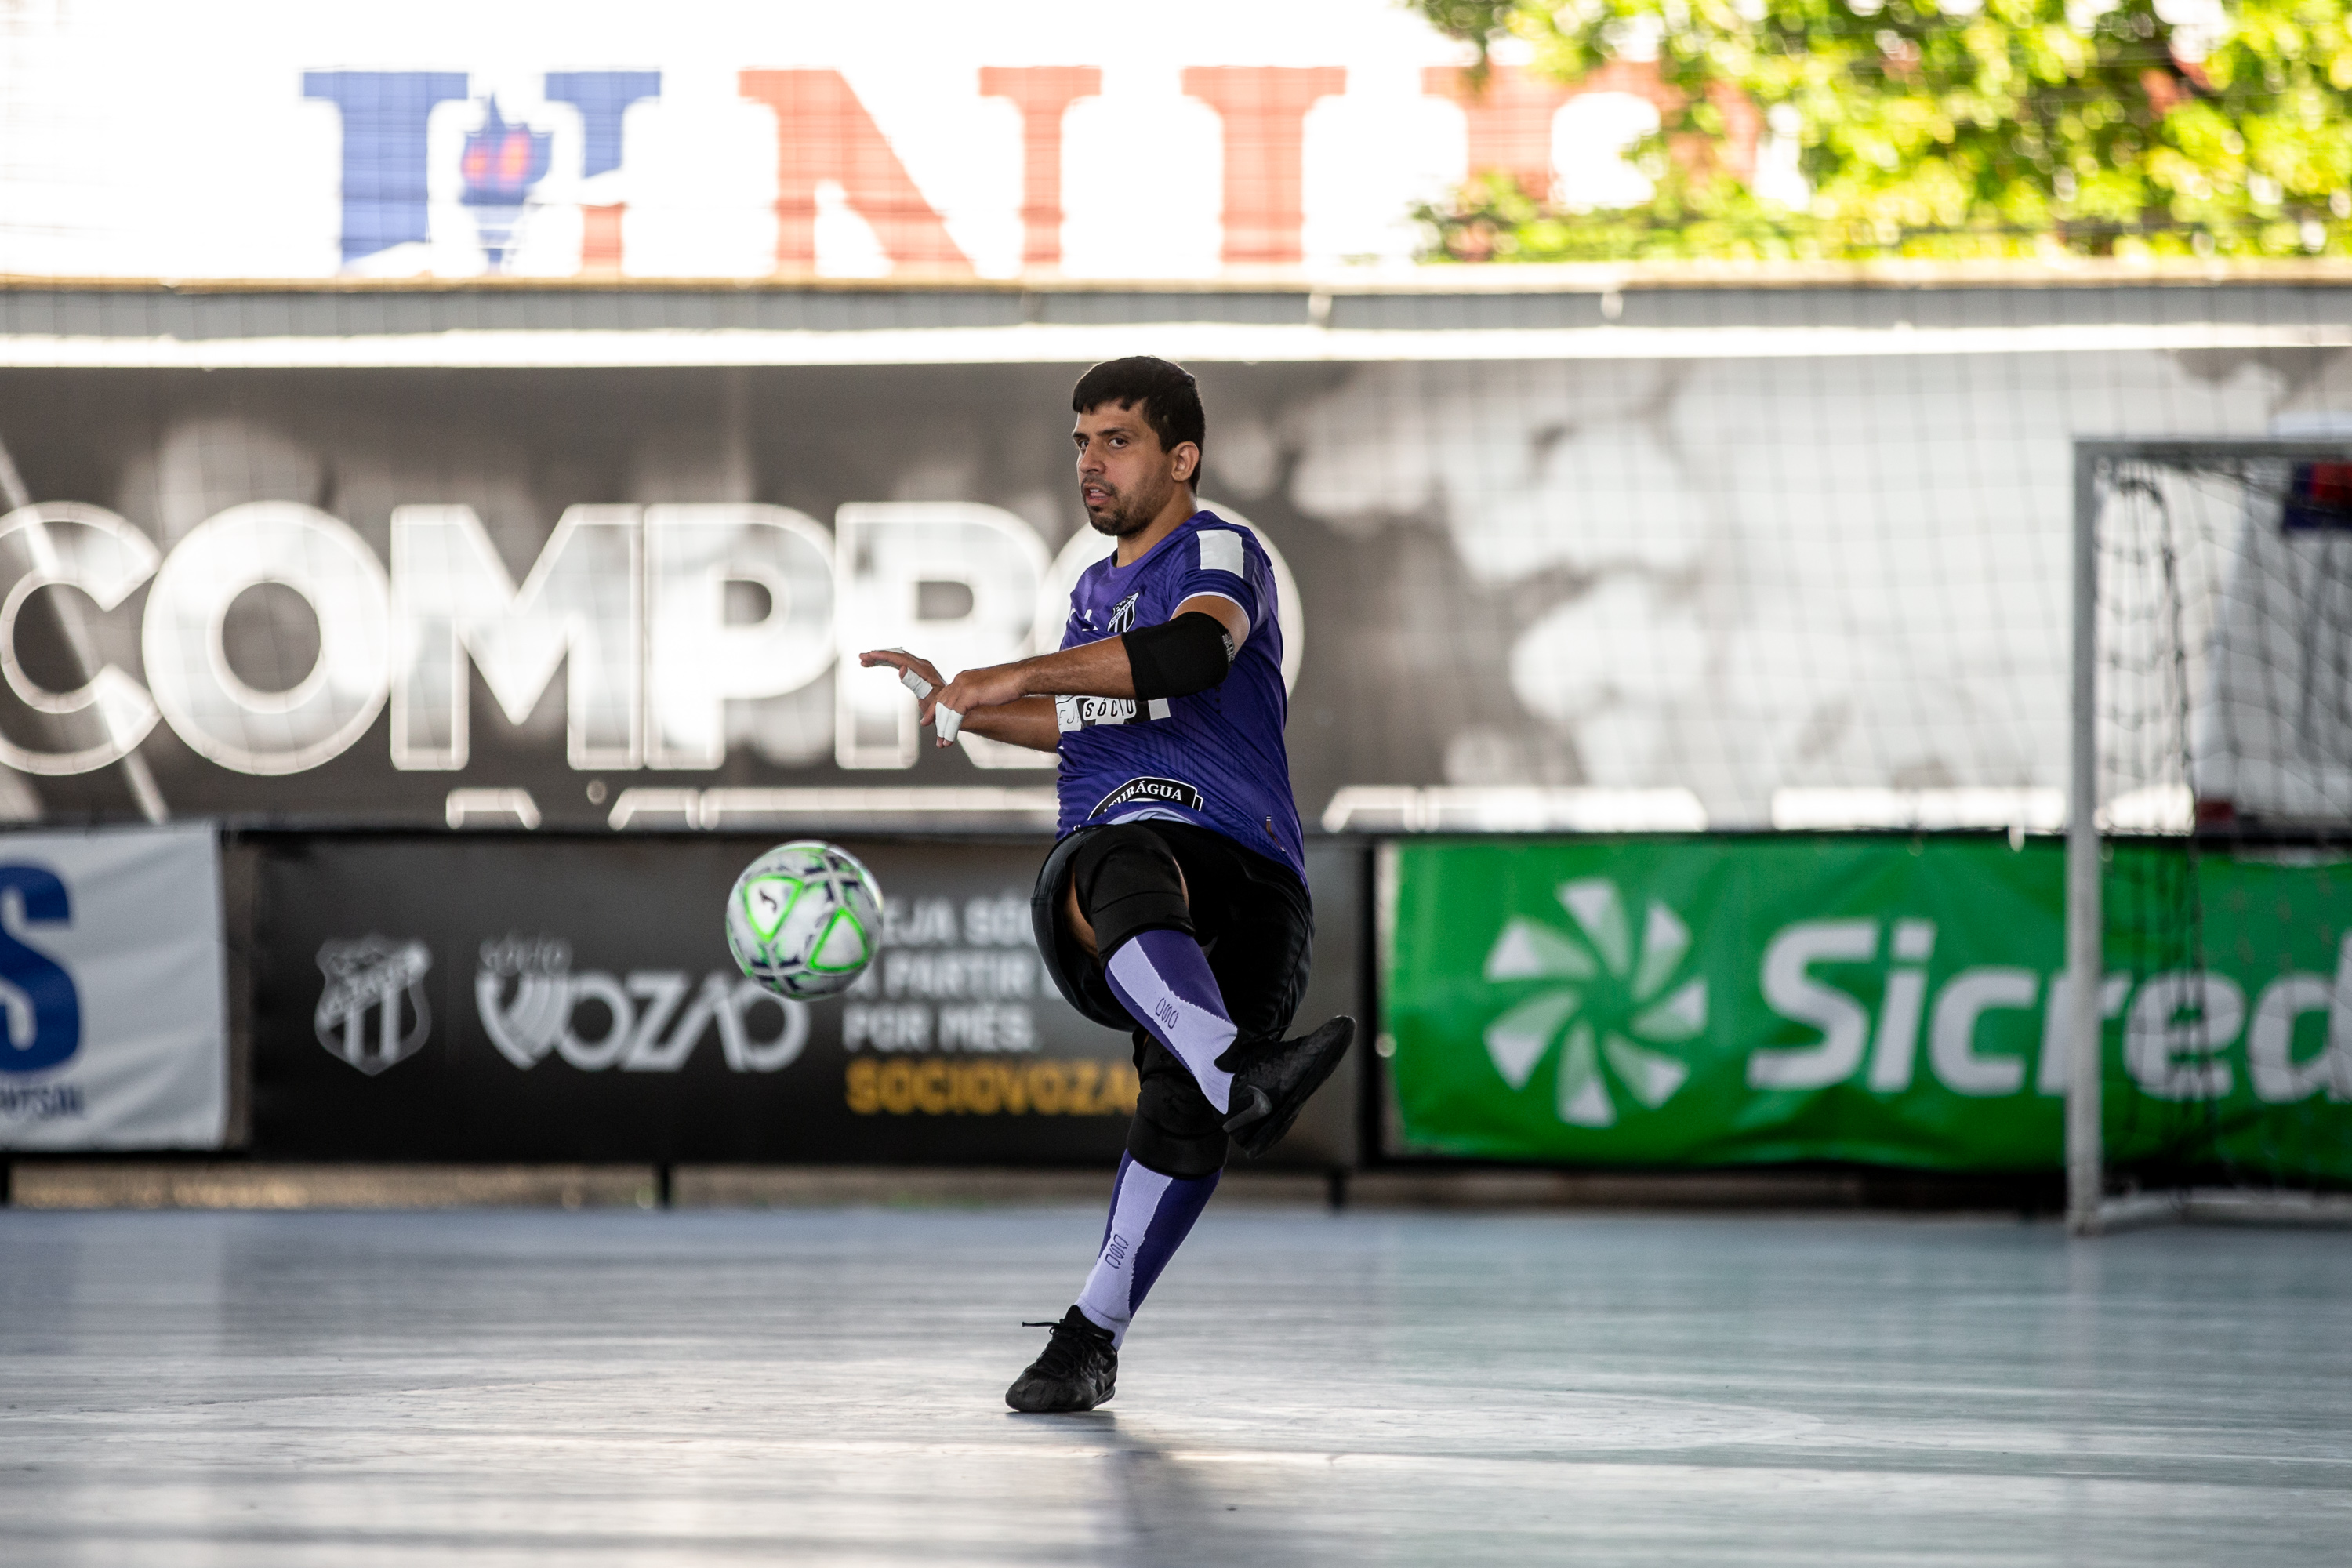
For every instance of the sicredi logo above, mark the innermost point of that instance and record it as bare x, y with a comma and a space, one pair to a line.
2180, 1026
1631, 1022
626, 602
1619, 1004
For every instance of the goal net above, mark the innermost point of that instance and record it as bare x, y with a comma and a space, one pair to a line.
2215, 627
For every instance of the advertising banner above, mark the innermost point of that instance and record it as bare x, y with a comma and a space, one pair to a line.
504, 997
800, 138
1702, 1002
116, 1034
370, 595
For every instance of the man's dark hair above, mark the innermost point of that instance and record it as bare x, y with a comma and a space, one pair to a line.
1166, 393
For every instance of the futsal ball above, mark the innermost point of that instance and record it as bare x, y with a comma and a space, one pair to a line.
803, 918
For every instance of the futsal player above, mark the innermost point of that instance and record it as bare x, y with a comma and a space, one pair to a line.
1174, 902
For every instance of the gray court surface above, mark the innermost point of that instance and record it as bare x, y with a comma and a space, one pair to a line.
1303, 1388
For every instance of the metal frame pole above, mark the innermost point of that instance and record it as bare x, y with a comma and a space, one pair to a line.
2085, 927
2087, 1212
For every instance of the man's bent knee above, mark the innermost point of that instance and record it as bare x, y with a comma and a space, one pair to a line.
1124, 879
1176, 1132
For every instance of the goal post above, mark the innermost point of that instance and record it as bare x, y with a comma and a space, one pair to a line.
2085, 937
2210, 806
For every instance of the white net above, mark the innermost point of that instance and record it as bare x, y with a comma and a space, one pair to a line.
1665, 559
2225, 629
2224, 747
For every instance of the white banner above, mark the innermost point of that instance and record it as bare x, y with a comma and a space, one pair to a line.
708, 139
111, 981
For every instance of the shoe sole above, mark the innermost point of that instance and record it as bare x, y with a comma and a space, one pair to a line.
1259, 1136
1054, 1409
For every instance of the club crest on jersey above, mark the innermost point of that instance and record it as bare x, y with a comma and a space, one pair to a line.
1120, 618
1170, 792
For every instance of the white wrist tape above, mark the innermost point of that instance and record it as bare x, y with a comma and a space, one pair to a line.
913, 682
948, 720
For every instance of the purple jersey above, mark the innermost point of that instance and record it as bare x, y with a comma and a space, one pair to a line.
1214, 758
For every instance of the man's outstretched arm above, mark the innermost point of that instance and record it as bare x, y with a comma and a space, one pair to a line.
1030, 723
1105, 667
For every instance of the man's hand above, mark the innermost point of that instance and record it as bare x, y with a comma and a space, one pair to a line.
991, 685
907, 664
1098, 669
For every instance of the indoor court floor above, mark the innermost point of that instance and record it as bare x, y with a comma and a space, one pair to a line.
825, 1386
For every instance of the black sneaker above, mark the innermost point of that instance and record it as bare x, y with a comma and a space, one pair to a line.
1275, 1079
1078, 1371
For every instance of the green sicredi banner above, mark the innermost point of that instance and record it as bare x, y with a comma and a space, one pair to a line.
1698, 1001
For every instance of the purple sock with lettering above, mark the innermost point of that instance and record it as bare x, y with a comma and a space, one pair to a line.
1150, 1215
1162, 978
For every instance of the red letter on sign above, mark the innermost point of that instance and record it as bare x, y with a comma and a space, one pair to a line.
1044, 94
600, 238
1509, 122
1264, 110
823, 133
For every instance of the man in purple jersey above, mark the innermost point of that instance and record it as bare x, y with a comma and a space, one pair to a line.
1174, 903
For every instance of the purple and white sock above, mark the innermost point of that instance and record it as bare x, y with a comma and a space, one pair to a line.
1162, 978
1150, 1214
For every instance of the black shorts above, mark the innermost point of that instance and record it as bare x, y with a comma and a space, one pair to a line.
1256, 924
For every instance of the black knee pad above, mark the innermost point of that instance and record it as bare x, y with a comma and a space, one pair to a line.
1176, 1132
1126, 879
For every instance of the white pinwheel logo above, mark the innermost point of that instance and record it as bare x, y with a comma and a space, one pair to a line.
1615, 1004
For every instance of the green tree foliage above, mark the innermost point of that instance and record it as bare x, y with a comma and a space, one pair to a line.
1979, 128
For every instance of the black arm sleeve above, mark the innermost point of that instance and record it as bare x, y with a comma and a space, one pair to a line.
1179, 658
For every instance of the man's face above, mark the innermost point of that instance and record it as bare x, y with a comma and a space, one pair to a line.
1125, 478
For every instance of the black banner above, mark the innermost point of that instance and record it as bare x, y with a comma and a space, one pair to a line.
589, 596
560, 997
687, 530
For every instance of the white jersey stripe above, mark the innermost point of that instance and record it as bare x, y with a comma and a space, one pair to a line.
1220, 550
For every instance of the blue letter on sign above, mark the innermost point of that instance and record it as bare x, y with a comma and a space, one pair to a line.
57, 1011
383, 150
602, 98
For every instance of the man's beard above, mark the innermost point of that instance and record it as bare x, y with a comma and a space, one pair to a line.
1124, 519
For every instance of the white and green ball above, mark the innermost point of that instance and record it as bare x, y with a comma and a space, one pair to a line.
804, 919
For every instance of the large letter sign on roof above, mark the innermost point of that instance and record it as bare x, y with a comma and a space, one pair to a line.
65, 544
1043, 94
695, 659
318, 717
454, 598
386, 179
825, 136
885, 553
1264, 113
